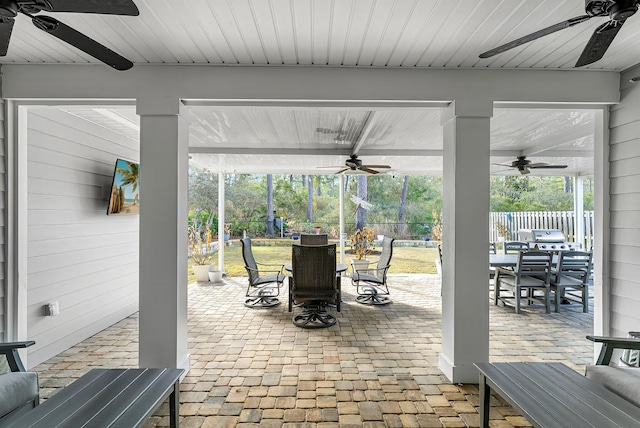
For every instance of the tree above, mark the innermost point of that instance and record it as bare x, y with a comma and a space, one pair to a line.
361, 213
310, 199
270, 205
402, 224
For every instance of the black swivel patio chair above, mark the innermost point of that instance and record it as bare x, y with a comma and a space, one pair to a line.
371, 284
314, 285
265, 280
572, 273
18, 388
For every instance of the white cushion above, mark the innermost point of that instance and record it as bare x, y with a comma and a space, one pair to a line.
623, 381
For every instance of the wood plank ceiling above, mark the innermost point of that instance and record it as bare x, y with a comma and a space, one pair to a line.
371, 33
346, 33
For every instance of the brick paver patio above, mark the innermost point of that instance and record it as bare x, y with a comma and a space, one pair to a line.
378, 367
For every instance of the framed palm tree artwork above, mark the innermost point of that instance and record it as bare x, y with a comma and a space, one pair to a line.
125, 197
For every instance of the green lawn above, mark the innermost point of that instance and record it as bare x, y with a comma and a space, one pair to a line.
404, 260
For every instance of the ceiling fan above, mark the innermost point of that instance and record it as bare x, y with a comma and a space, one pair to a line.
617, 10
9, 10
523, 165
353, 164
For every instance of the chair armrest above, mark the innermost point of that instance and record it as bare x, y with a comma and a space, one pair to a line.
505, 271
10, 351
609, 344
369, 270
272, 264
262, 272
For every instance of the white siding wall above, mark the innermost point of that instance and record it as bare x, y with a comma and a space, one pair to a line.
77, 255
3, 204
625, 209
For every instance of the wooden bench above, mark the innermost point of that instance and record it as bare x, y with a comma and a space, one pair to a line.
109, 398
552, 395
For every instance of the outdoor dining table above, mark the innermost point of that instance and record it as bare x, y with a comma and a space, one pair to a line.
510, 260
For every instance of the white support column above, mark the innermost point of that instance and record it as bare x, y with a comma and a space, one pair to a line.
164, 163
341, 205
221, 203
465, 270
602, 228
578, 210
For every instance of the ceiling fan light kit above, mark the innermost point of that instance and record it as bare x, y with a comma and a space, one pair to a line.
9, 10
353, 165
618, 12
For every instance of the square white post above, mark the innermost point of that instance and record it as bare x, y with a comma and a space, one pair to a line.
164, 163
465, 270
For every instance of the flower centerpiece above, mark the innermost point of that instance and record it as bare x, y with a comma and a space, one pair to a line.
362, 245
202, 251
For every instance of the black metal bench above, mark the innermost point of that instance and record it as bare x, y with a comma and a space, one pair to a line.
552, 395
109, 398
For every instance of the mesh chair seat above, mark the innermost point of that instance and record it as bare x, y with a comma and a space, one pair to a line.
267, 279
361, 276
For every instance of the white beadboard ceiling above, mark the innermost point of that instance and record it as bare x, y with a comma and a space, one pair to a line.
308, 140
351, 33
359, 33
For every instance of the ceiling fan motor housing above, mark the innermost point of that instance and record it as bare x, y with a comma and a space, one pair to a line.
618, 10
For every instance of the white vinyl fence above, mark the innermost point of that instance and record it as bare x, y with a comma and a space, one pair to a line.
507, 224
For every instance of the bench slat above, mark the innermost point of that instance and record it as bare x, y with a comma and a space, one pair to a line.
529, 398
567, 407
112, 401
150, 400
553, 395
105, 398
593, 394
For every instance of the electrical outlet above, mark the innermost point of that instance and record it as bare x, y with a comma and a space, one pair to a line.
51, 309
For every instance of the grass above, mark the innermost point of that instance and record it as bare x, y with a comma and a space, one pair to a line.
404, 260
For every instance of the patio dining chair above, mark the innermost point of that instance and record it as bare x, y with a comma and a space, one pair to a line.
531, 274
371, 284
314, 285
265, 280
18, 388
572, 272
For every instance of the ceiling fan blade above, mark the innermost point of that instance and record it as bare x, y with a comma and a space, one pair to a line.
82, 42
537, 165
536, 35
501, 164
6, 26
342, 170
330, 167
599, 42
107, 7
547, 166
377, 166
366, 168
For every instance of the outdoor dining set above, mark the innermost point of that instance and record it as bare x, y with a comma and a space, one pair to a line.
526, 274
315, 280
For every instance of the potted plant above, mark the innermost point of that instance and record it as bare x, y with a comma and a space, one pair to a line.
227, 231
202, 251
362, 244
